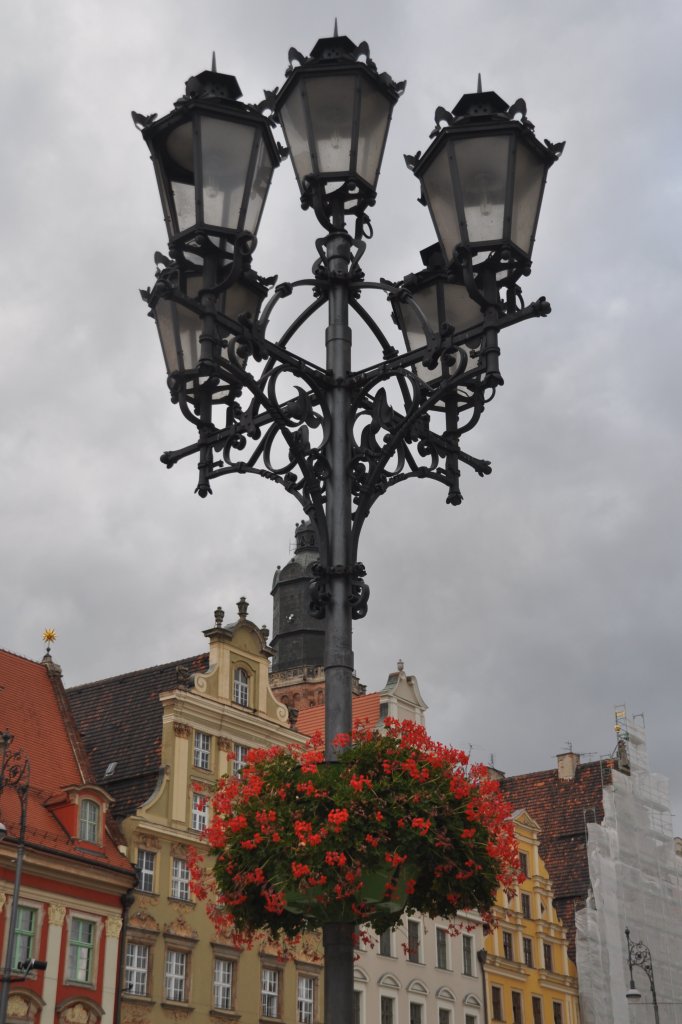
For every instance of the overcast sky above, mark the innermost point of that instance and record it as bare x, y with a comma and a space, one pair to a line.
553, 593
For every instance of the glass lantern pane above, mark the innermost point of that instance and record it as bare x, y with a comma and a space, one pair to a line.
183, 200
375, 114
461, 310
529, 176
331, 103
482, 165
427, 300
225, 154
293, 118
440, 196
262, 176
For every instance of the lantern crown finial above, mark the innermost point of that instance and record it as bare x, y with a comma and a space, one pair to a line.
211, 85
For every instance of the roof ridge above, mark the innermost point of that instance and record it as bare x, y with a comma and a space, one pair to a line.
135, 672
22, 657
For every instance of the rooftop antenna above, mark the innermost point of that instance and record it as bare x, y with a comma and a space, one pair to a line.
480, 87
336, 29
213, 67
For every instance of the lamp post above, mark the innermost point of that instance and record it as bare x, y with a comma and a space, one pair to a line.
15, 773
639, 955
334, 436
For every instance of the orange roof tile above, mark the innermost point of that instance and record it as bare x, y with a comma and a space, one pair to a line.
365, 709
34, 710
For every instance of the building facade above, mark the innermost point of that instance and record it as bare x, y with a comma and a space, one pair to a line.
530, 978
75, 882
160, 738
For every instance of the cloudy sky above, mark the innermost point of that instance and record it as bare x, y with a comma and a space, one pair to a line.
553, 593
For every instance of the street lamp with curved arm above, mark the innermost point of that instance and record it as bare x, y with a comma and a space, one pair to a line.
334, 436
639, 955
15, 774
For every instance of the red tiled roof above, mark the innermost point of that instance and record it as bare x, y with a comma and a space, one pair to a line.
563, 808
120, 719
33, 709
365, 709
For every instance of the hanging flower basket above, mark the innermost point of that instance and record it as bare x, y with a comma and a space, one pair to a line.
399, 823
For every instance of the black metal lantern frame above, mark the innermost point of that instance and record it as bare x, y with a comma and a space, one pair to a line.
337, 437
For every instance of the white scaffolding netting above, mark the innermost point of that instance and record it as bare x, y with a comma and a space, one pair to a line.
636, 882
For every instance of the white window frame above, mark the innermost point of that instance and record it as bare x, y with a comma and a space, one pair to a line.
240, 752
269, 991
223, 983
26, 936
389, 1001
416, 1004
202, 750
448, 1011
146, 867
175, 974
75, 944
386, 938
89, 814
442, 946
305, 999
468, 956
137, 969
199, 811
179, 879
417, 957
240, 687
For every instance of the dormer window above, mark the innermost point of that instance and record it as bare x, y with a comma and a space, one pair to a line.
88, 821
241, 688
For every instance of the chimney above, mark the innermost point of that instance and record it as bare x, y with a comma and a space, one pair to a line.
567, 764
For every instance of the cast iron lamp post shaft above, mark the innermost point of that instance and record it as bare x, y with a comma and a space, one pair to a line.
639, 955
15, 775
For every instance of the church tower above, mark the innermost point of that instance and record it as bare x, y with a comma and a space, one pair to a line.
297, 676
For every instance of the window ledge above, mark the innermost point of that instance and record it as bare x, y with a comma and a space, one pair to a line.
137, 998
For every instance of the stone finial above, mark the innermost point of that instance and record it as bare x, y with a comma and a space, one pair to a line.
266, 633
242, 607
219, 616
401, 664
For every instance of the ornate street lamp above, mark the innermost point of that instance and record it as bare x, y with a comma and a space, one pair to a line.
15, 773
334, 436
639, 955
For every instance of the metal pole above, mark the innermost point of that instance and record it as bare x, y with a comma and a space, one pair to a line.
22, 793
338, 659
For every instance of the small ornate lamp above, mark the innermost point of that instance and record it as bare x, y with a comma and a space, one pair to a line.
214, 159
443, 299
483, 177
335, 110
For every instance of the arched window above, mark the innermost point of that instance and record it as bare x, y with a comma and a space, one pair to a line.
88, 821
241, 688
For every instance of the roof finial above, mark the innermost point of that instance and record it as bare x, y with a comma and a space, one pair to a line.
49, 637
401, 664
480, 87
336, 29
219, 616
213, 67
242, 607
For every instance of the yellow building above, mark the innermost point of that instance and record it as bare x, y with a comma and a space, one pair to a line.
528, 974
159, 739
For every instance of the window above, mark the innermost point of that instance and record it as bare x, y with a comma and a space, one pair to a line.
137, 969
357, 1007
223, 977
537, 1009
385, 943
523, 863
240, 752
547, 955
525, 905
387, 1010
557, 1013
416, 1013
175, 980
305, 999
145, 870
413, 942
496, 993
269, 991
442, 949
467, 955
469, 1018
241, 688
81, 949
444, 1015
199, 812
88, 821
202, 750
527, 951
507, 945
180, 879
517, 1010
24, 934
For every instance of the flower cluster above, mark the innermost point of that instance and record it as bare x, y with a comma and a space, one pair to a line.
398, 823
